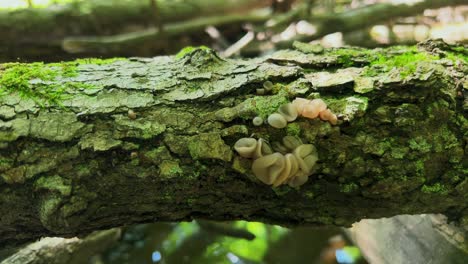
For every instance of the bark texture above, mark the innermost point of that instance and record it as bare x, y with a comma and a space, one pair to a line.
95, 144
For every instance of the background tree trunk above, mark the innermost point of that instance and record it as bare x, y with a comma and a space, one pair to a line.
94, 144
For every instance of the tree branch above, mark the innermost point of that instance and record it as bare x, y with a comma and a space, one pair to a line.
82, 161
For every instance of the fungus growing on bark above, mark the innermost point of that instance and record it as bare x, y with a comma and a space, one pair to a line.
288, 111
277, 120
280, 167
291, 168
313, 109
261, 149
246, 147
268, 86
269, 167
131, 114
257, 121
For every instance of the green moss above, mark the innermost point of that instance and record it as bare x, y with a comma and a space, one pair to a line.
293, 129
170, 169
188, 50
347, 56
406, 63
17, 77
347, 188
420, 144
54, 184
266, 105
436, 188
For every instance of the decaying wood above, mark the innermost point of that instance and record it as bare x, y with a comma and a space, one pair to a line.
143, 140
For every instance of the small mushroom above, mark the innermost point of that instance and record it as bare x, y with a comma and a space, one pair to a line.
327, 115
257, 121
246, 147
277, 121
260, 91
306, 155
288, 111
131, 114
261, 149
299, 103
268, 85
278, 147
291, 168
291, 142
298, 180
269, 167
313, 108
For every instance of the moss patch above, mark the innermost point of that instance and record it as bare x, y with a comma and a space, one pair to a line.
188, 50
436, 188
406, 63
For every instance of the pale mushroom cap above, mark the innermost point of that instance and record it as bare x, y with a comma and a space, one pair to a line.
268, 85
269, 167
260, 91
310, 111
257, 121
313, 108
333, 119
261, 149
298, 180
277, 121
291, 168
291, 142
304, 150
246, 147
299, 103
306, 157
319, 104
327, 115
278, 147
288, 111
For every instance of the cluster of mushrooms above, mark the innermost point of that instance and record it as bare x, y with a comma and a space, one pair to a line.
291, 164
299, 107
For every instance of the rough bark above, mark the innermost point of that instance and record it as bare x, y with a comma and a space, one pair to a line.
95, 144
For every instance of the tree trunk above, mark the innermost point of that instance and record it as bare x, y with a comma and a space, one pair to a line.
94, 144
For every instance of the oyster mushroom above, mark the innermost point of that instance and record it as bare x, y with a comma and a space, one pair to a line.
269, 167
